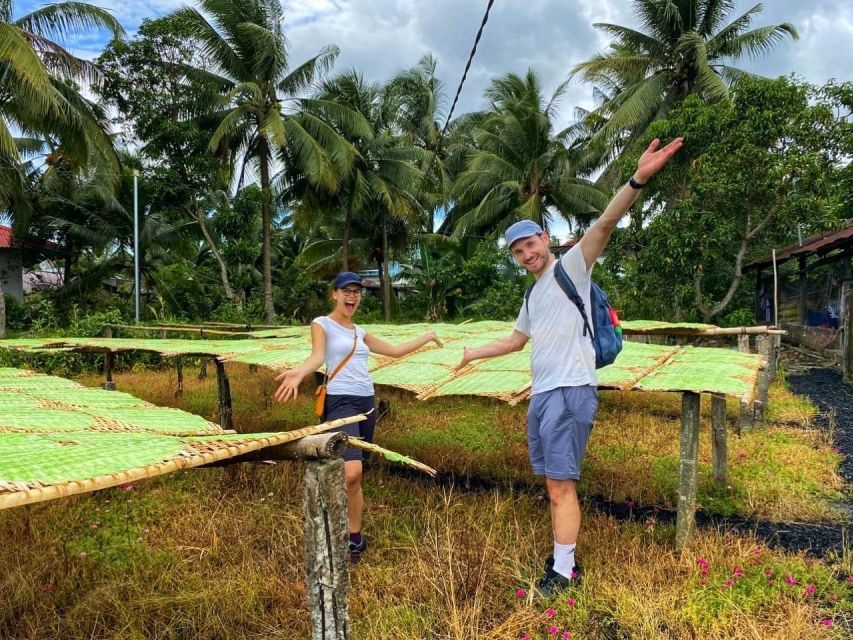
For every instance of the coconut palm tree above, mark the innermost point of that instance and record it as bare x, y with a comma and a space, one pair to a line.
378, 198
519, 167
259, 94
38, 93
684, 48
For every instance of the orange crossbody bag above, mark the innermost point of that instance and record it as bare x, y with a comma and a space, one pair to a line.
320, 393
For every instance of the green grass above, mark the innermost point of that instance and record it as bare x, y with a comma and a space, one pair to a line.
217, 553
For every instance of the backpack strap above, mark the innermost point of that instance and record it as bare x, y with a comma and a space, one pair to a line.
527, 297
571, 291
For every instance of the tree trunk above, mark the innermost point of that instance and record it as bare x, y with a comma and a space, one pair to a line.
223, 270
386, 275
345, 247
266, 217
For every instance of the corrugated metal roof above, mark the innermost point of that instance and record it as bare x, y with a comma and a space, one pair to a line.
818, 244
5, 237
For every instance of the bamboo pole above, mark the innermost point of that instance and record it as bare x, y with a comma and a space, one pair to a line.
325, 506
109, 359
322, 446
223, 388
716, 331
847, 354
766, 346
747, 411
688, 463
719, 446
201, 331
179, 368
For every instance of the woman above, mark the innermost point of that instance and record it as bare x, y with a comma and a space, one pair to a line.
335, 339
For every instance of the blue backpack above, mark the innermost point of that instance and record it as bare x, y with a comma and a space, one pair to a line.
605, 333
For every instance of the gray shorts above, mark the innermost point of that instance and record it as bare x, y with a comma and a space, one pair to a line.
558, 427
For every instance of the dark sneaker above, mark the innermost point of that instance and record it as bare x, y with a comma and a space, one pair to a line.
552, 583
355, 550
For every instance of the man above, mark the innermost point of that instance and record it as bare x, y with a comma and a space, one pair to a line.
564, 395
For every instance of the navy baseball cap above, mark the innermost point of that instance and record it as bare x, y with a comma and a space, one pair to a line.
521, 229
347, 277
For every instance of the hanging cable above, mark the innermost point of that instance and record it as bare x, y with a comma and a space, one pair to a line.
456, 97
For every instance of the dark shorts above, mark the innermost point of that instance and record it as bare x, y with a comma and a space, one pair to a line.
346, 406
558, 426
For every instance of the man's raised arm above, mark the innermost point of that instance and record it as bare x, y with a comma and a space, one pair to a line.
652, 161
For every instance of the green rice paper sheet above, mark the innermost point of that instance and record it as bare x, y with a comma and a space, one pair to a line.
414, 376
705, 370
657, 326
501, 384
50, 458
43, 420
154, 419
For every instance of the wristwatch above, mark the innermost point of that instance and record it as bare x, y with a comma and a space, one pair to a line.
636, 185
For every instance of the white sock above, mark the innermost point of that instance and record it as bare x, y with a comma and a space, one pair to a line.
564, 559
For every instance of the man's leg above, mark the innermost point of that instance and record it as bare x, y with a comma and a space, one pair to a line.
565, 510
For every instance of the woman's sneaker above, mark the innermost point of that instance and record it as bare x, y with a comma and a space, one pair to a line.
356, 549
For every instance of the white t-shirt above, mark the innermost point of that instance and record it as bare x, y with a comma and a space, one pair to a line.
354, 379
561, 356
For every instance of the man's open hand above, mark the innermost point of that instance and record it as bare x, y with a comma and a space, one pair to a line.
654, 159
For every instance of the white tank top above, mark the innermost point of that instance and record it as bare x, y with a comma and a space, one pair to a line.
354, 378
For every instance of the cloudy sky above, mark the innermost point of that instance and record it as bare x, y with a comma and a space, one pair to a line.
379, 37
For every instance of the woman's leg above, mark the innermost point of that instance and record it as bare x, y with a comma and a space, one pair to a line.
355, 498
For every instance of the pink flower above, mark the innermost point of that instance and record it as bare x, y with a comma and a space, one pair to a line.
729, 582
790, 579
47, 589
574, 575
833, 597
850, 580
631, 504
738, 572
703, 582
525, 637
741, 455
553, 630
570, 602
94, 525
520, 593
550, 613
127, 487
756, 551
810, 589
566, 635
768, 572
826, 622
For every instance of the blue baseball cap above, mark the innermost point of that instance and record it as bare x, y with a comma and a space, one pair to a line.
347, 277
521, 229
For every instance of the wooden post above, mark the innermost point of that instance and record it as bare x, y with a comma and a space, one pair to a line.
688, 463
179, 367
108, 385
766, 346
803, 290
847, 354
162, 334
718, 432
325, 506
223, 392
253, 368
747, 412
108, 331
202, 370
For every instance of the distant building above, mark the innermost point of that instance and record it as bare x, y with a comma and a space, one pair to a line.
11, 265
17, 257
